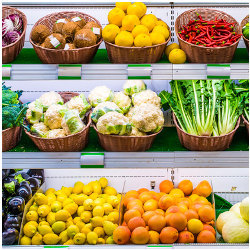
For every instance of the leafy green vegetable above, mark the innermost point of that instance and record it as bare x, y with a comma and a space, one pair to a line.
243, 91
245, 31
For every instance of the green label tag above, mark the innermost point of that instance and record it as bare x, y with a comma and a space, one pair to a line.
6, 69
69, 71
92, 160
218, 71
139, 71
55, 246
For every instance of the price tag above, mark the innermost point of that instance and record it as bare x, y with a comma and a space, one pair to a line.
92, 160
218, 71
69, 72
139, 71
6, 71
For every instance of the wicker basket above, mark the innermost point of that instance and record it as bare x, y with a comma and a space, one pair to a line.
198, 54
10, 52
10, 138
246, 122
136, 55
56, 56
205, 143
243, 23
70, 143
118, 143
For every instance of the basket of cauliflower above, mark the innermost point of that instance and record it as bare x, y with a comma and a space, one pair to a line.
59, 122
126, 121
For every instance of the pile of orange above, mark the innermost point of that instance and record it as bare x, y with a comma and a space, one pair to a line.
182, 215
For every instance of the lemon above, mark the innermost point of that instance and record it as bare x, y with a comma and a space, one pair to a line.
139, 29
62, 215
194, 226
100, 241
110, 32
138, 9
110, 190
37, 239
32, 215
29, 230
63, 237
85, 216
109, 227
79, 239
40, 199
51, 218
115, 16
149, 21
85, 230
80, 198
44, 229
170, 47
25, 240
89, 225
69, 223
113, 217
69, 242
163, 30
177, 56
157, 38
55, 206
96, 221
78, 186
43, 223
108, 208
72, 196
51, 239
98, 211
61, 198
104, 196
41, 219
129, 22
72, 230
142, 40
161, 23
71, 208
80, 225
92, 238
34, 207
58, 227
110, 240
66, 202
94, 196
99, 231
88, 204
87, 189
97, 189
34, 223
103, 182
122, 5
51, 198
43, 210
113, 200
80, 209
76, 219
67, 190
50, 191
99, 202
105, 217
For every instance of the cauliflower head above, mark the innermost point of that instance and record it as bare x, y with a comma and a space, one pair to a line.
130, 113
114, 123
131, 87
56, 133
100, 94
50, 98
39, 129
122, 101
71, 122
34, 112
146, 96
136, 132
79, 103
103, 108
53, 116
147, 118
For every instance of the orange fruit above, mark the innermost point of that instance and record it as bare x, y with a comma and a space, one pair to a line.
206, 237
168, 235
186, 186
136, 222
133, 203
183, 208
150, 205
173, 209
196, 206
140, 236
145, 196
121, 235
132, 193
209, 228
141, 190
139, 208
203, 189
185, 237
166, 186
160, 211
131, 214
206, 213
194, 226
185, 201
126, 200
166, 201
176, 193
193, 197
156, 223
191, 214
177, 220
147, 215
154, 237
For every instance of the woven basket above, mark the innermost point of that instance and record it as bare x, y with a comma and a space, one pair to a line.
199, 54
70, 143
246, 122
136, 55
10, 52
10, 138
118, 143
205, 143
242, 24
60, 56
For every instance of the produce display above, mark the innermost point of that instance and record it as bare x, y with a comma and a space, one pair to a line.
50, 117
209, 33
135, 111
12, 28
243, 91
245, 31
18, 188
129, 26
83, 214
233, 225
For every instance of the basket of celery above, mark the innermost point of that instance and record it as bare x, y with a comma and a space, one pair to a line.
206, 113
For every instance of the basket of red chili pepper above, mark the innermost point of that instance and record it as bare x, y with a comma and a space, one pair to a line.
207, 35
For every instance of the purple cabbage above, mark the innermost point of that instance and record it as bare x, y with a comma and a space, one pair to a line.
11, 37
7, 25
17, 21
4, 44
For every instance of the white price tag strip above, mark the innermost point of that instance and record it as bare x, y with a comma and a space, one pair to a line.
69, 72
6, 70
92, 160
139, 71
218, 71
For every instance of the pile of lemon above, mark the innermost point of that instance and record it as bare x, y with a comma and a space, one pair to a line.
83, 214
129, 26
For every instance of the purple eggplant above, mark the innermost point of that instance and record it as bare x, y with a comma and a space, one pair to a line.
12, 221
10, 236
5, 173
16, 205
37, 173
34, 184
24, 191
20, 176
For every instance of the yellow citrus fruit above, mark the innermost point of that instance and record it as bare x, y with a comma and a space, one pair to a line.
113, 200
110, 190
142, 40
113, 217
163, 30
103, 182
51, 198
177, 56
86, 216
115, 16
51, 218
140, 29
58, 227
44, 229
40, 199
51, 239
64, 237
77, 189
92, 238
29, 230
69, 242
85, 230
49, 191
107, 208
124, 38
67, 201
43, 210
122, 5
110, 32
194, 226
87, 189
176, 192
79, 239
34, 207
170, 47
80, 225
56, 206
61, 197
99, 202
37, 239
88, 204
71, 208
76, 219
156, 38
72, 230
43, 223
193, 197
67, 190
25, 240
79, 199
138, 9
149, 21
96, 221
130, 21
80, 210
62, 215
98, 211
99, 231
100, 241
32, 216
94, 196
34, 223
161, 23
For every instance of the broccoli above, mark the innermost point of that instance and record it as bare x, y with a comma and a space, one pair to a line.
9, 96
